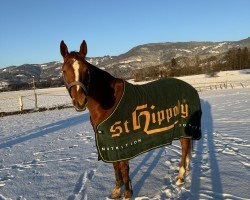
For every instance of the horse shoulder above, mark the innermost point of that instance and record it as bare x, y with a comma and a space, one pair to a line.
98, 114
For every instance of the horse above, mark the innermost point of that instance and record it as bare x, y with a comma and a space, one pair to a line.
97, 90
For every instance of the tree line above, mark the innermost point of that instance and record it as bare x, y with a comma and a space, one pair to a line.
233, 59
28, 86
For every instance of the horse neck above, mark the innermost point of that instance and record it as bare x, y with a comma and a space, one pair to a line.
103, 94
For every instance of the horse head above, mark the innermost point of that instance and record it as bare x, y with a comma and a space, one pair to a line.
76, 75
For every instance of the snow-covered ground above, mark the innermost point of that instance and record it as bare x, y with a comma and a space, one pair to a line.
52, 155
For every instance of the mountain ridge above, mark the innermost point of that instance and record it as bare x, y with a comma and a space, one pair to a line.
125, 65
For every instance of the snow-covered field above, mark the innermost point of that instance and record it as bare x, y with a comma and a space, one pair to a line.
52, 155
9, 101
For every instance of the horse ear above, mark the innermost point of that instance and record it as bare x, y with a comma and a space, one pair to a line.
64, 49
83, 48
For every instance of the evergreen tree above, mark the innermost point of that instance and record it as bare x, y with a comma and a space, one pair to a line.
246, 58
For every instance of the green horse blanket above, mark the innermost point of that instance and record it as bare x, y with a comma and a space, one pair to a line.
147, 117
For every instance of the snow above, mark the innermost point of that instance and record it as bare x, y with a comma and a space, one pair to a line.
137, 59
52, 155
204, 47
44, 66
212, 51
235, 77
9, 101
185, 50
122, 66
219, 45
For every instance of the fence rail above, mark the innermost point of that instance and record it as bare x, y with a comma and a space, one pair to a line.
221, 85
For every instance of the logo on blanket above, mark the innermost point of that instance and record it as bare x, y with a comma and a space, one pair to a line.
166, 119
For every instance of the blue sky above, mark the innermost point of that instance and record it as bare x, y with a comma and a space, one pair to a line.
31, 30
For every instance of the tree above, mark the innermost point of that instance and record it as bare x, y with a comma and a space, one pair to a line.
173, 64
197, 61
245, 58
239, 59
173, 67
231, 59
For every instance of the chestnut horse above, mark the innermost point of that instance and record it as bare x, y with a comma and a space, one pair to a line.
95, 89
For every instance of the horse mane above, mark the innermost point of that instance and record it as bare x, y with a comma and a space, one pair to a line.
100, 87
75, 55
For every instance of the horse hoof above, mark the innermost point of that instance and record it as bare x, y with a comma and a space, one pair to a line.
179, 182
116, 194
128, 194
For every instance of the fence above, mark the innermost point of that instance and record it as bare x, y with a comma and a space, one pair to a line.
58, 97
30, 100
221, 85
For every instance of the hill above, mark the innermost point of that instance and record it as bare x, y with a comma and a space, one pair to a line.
156, 59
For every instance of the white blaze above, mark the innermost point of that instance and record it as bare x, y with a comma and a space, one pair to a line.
76, 67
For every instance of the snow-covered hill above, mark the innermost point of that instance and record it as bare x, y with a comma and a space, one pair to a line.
125, 65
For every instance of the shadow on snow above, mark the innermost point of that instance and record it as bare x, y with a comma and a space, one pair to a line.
197, 173
44, 130
207, 131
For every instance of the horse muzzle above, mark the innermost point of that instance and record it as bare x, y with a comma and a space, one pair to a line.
80, 106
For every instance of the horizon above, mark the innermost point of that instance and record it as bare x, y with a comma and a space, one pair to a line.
33, 30
116, 55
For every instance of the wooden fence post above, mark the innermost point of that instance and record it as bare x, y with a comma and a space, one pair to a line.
20, 103
36, 107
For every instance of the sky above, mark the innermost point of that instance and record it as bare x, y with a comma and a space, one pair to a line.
31, 30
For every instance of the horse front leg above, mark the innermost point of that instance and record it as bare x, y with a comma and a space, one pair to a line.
116, 193
184, 164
